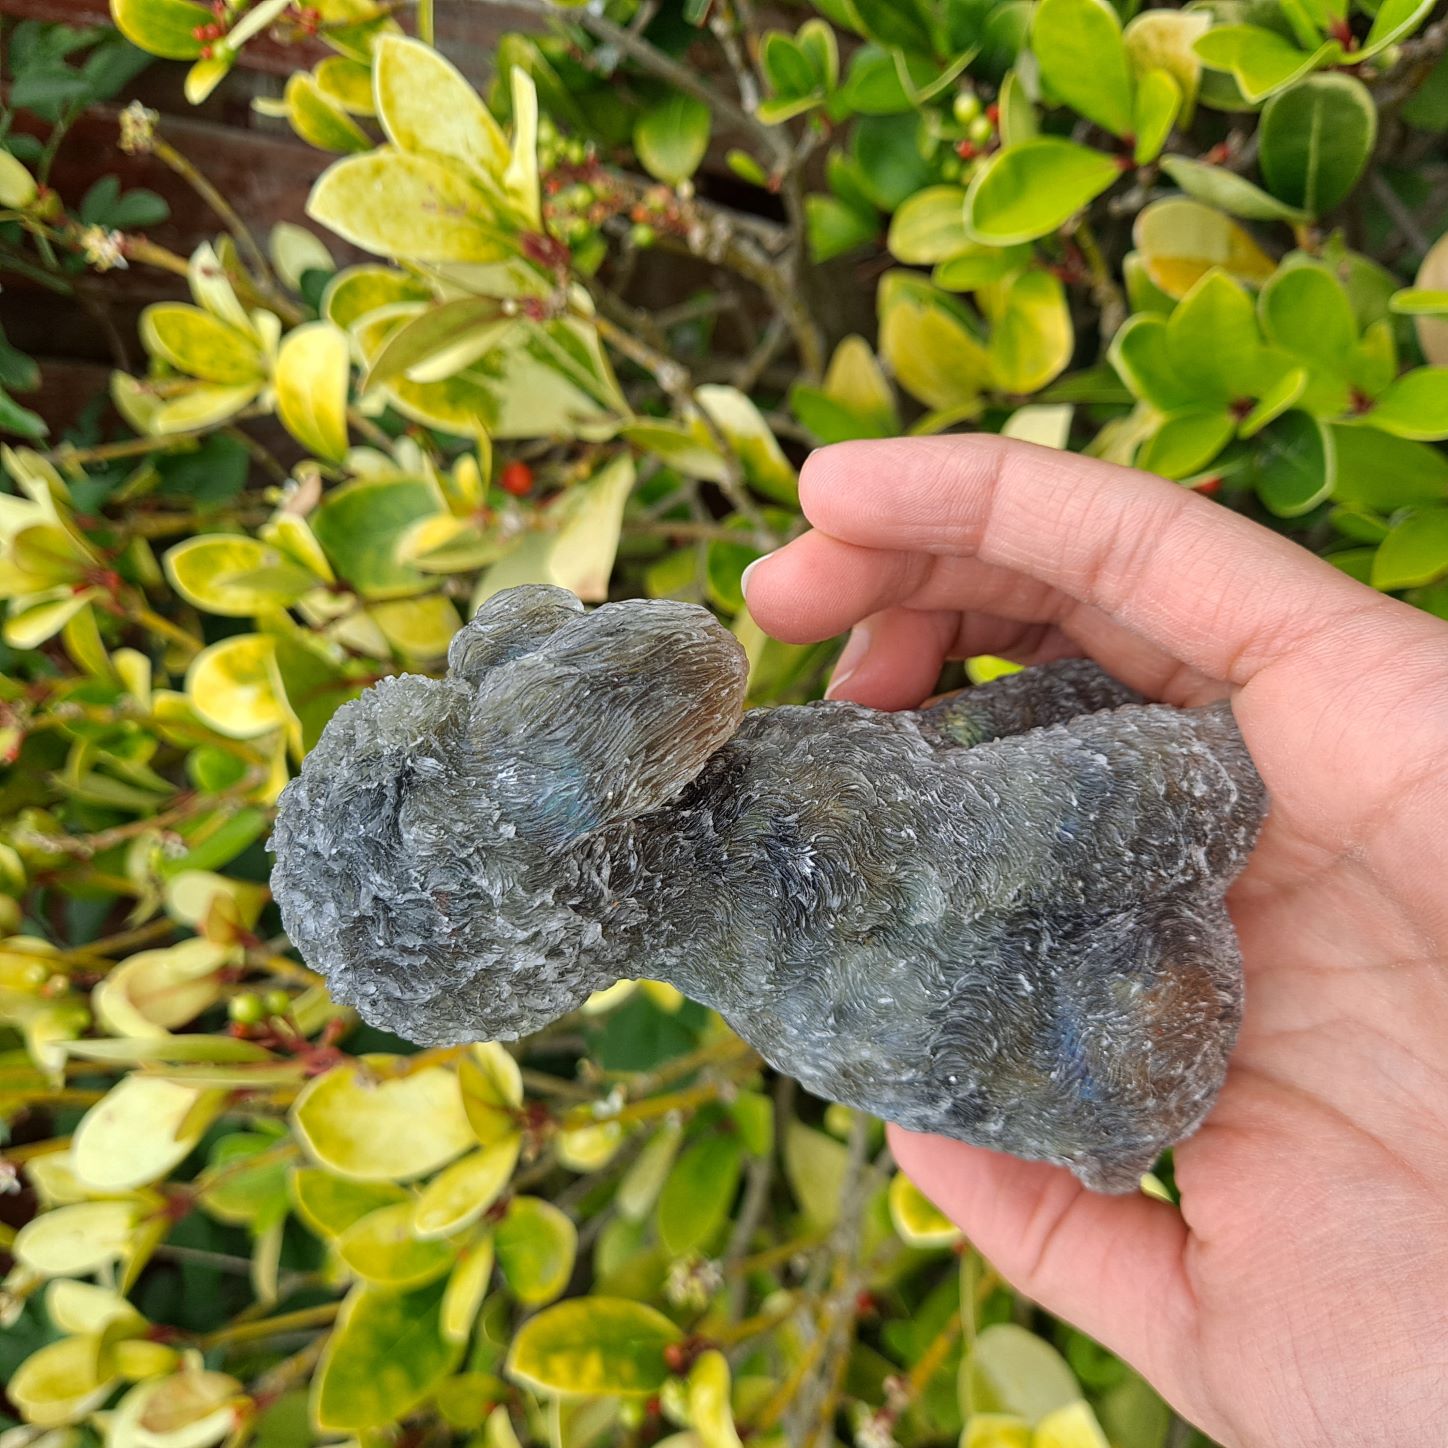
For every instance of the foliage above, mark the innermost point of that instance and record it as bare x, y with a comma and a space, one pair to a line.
1200, 240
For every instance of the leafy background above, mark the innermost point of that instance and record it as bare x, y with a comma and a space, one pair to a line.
579, 319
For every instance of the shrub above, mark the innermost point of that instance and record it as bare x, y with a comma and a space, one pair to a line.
1198, 239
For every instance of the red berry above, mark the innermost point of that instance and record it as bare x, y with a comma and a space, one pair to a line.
965, 150
993, 114
517, 479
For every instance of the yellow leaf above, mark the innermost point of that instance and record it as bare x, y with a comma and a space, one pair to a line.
492, 1091
919, 1222
709, 1408
139, 1130
367, 1125
201, 405
235, 576
79, 1307
154, 991
1181, 240
348, 82
536, 1245
60, 1383
75, 1240
1073, 1426
462, 1192
206, 75
330, 1204
588, 1148
294, 250
17, 185
319, 120
996, 1430
193, 1408
382, 1248
521, 178
417, 628
415, 207
312, 372
359, 290
466, 1289
201, 344
426, 105
233, 687
928, 347
593, 1345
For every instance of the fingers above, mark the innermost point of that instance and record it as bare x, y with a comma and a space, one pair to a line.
1112, 1266
818, 586
1218, 592
894, 657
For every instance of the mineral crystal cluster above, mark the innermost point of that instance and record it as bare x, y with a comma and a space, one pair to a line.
999, 918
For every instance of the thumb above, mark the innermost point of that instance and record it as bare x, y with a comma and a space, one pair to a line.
1111, 1266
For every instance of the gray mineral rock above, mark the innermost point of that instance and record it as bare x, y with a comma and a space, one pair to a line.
999, 918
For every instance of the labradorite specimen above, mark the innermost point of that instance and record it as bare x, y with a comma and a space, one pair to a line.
999, 918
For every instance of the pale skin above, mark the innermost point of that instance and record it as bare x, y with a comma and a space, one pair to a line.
1300, 1294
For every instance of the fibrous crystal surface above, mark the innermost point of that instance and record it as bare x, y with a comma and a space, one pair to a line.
999, 918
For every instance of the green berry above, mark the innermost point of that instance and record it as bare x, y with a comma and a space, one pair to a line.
966, 107
951, 168
277, 1002
980, 131
643, 235
247, 1009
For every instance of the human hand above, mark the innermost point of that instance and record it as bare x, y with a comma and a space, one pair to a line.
1297, 1297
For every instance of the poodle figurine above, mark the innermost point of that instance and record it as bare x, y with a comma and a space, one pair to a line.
999, 918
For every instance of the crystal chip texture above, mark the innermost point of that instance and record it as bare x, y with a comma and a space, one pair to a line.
999, 918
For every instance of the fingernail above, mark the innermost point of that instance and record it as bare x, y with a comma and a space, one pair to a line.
744, 577
850, 659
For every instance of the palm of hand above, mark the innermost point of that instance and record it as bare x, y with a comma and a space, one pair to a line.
1325, 1163
1297, 1296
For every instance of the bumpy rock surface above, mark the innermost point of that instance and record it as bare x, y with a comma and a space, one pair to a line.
999, 918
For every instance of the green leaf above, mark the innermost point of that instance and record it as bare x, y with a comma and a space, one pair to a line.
1078, 46
17, 185
1294, 465
899, 24
365, 1124
1031, 339
1260, 61
1180, 240
440, 341
1305, 310
1274, 401
891, 167
1158, 102
1186, 441
834, 228
930, 226
360, 524
1011, 1370
700, 1190
385, 1355
977, 266
1419, 302
426, 105
1315, 140
1139, 354
1414, 406
1378, 471
1031, 189
1394, 19
787, 68
162, 27
536, 1245
594, 1345
1414, 553
1228, 191
417, 207
672, 137
1213, 340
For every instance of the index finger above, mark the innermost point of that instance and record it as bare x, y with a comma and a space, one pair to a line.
1215, 590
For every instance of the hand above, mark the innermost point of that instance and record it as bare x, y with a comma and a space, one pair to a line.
1300, 1294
